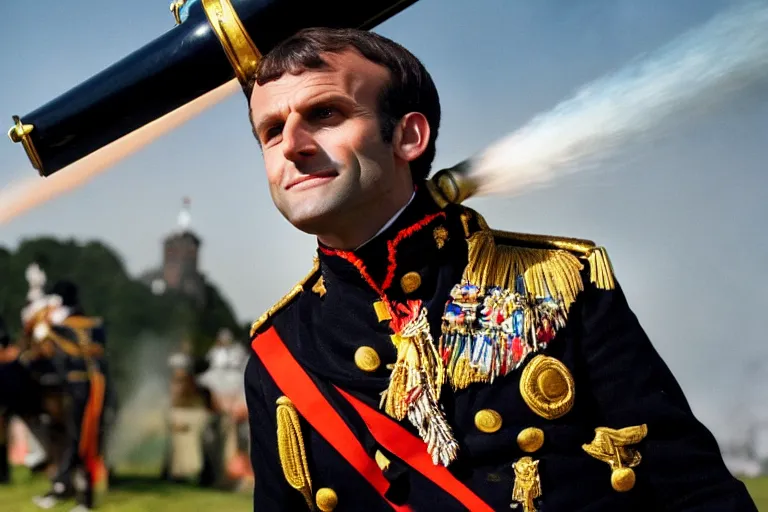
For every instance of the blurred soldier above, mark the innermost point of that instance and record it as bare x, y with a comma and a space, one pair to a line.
187, 418
26, 391
224, 380
224, 376
73, 345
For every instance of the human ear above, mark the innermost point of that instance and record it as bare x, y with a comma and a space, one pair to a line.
411, 136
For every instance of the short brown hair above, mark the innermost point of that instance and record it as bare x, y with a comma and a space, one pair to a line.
410, 89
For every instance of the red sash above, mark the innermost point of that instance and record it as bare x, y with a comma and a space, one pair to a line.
412, 450
293, 380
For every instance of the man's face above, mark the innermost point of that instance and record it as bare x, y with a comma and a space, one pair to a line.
325, 159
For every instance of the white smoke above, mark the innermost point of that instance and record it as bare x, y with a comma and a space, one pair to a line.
698, 71
141, 411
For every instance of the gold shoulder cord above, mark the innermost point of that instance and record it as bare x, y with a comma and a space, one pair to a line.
287, 298
290, 446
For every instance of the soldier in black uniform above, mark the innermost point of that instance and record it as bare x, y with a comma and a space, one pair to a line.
429, 362
73, 345
21, 395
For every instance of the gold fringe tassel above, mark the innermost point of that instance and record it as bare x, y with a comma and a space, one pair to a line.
545, 272
600, 269
290, 445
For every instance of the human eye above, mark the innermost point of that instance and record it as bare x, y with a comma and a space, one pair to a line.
324, 113
271, 132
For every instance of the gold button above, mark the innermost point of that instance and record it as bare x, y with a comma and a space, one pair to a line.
623, 479
530, 439
326, 499
488, 421
410, 282
367, 359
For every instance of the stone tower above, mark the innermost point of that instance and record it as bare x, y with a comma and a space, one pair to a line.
180, 259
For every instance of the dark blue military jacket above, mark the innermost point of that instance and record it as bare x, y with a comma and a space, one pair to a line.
531, 433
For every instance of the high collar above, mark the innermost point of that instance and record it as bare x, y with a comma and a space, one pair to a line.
390, 221
420, 235
425, 253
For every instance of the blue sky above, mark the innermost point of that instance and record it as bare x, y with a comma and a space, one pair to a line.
682, 218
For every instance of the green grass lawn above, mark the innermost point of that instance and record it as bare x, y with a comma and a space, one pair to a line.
129, 494
146, 494
758, 488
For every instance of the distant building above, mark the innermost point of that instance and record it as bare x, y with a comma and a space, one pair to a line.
179, 270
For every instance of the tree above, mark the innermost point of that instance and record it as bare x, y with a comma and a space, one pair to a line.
131, 312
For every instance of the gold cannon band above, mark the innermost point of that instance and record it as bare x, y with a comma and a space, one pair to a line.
238, 45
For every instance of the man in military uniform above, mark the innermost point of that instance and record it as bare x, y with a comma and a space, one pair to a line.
73, 345
429, 362
21, 395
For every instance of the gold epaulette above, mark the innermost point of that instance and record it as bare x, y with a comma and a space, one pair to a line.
288, 297
600, 268
547, 265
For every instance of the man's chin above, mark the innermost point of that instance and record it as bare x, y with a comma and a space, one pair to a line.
312, 223
315, 211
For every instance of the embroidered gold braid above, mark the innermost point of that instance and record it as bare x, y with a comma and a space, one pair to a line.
290, 446
285, 300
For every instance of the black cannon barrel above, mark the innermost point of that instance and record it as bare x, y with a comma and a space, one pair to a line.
196, 56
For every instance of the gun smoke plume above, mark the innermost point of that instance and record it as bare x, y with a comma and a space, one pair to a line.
700, 70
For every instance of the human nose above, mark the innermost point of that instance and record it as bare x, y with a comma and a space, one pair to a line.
298, 142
